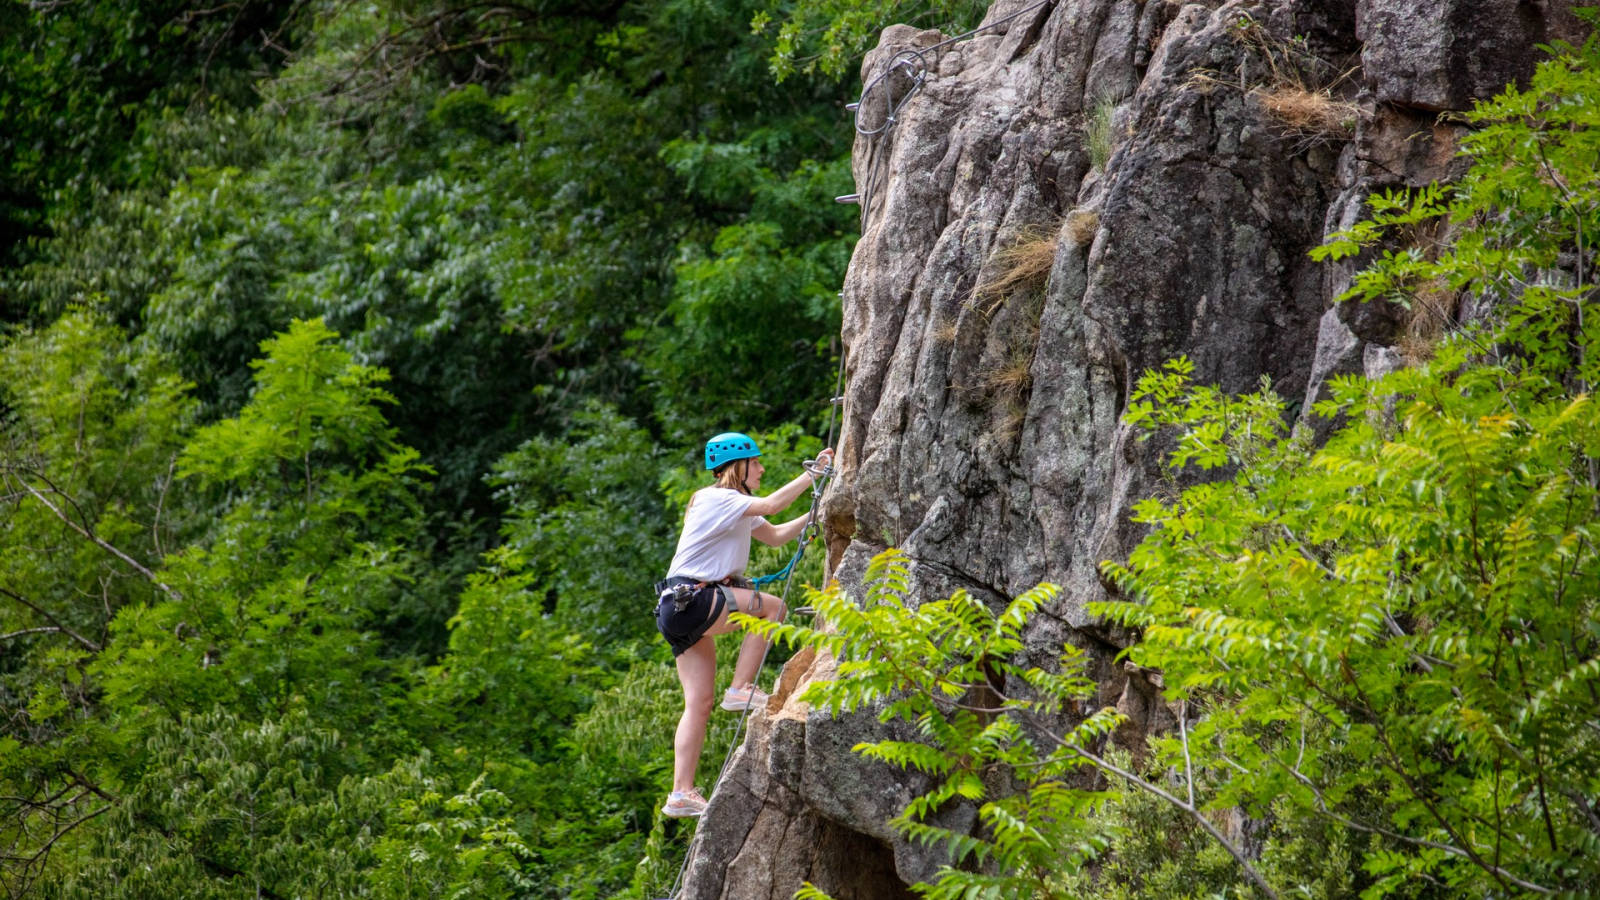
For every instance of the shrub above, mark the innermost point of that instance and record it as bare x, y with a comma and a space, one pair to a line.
1418, 596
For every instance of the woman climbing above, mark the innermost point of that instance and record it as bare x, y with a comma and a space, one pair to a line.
706, 583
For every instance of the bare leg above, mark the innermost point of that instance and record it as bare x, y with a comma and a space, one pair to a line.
754, 647
697, 672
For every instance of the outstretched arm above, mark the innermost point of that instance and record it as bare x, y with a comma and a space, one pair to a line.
778, 535
779, 500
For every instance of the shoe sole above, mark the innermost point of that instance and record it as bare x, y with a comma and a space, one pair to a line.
737, 705
682, 813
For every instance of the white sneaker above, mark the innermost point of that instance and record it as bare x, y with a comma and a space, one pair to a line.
684, 804
744, 698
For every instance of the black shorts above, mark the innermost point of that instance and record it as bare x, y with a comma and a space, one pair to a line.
683, 629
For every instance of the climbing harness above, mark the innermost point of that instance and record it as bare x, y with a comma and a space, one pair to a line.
913, 64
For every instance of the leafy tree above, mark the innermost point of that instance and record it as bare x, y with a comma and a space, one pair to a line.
268, 608
309, 554
90, 437
742, 313
329, 294
1407, 613
407, 272
1158, 852
458, 846
589, 521
946, 669
80, 78
225, 809
830, 35
508, 686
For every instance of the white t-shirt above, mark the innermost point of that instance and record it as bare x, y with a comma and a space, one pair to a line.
716, 536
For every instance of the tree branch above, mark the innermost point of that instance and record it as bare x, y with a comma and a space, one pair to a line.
60, 833
1183, 732
1189, 808
1350, 823
49, 629
88, 534
1398, 767
1192, 811
88, 644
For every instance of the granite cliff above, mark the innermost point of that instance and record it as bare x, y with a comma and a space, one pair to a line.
1175, 162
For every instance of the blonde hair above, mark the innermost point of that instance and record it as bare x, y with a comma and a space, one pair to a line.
732, 475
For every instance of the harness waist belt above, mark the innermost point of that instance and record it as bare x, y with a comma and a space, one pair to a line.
737, 581
667, 584
673, 589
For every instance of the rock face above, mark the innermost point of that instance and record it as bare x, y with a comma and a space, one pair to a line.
1441, 54
982, 412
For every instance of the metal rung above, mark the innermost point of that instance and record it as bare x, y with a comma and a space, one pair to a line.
852, 106
837, 400
804, 611
848, 198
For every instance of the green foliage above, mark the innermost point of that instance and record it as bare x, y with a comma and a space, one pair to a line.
781, 268
308, 553
453, 847
829, 35
89, 438
1160, 854
948, 669
1397, 632
285, 313
509, 251
509, 684
1533, 171
312, 409
1393, 616
1099, 137
586, 513
91, 432
171, 739
79, 78
222, 809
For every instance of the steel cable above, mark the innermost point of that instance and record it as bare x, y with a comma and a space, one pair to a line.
914, 64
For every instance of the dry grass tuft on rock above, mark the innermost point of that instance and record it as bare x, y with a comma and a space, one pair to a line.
1011, 421
1297, 88
1008, 386
1023, 266
1308, 112
1433, 312
1011, 378
1082, 225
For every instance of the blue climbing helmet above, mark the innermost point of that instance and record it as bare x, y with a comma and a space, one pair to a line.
729, 446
